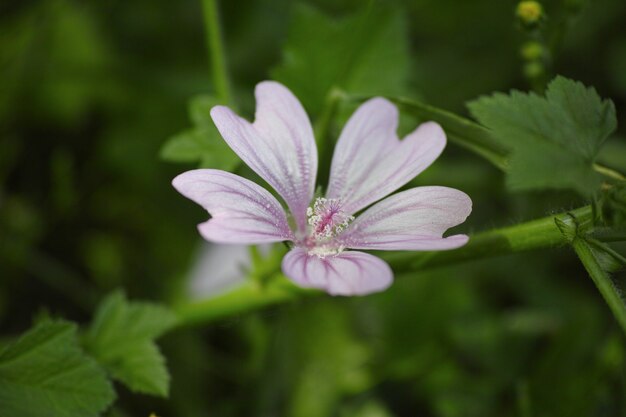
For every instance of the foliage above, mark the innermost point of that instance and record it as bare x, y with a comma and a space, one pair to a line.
45, 373
554, 140
93, 94
121, 338
370, 43
203, 142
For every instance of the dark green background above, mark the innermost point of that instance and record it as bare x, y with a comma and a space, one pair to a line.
90, 91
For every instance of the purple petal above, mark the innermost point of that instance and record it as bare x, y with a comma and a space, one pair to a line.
411, 220
279, 145
241, 211
370, 161
348, 273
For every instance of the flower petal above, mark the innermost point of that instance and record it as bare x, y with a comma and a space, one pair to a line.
348, 273
279, 145
370, 161
241, 211
411, 220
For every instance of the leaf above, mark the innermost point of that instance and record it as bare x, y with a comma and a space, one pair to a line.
202, 143
554, 139
45, 373
121, 338
363, 54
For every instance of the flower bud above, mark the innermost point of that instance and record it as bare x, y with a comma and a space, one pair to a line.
533, 70
532, 51
529, 12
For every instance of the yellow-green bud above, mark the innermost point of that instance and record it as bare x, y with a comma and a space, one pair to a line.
529, 12
533, 69
531, 51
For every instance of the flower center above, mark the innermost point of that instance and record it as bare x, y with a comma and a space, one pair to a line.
327, 221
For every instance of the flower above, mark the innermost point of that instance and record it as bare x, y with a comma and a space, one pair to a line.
369, 163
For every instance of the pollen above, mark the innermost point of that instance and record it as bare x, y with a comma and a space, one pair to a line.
326, 218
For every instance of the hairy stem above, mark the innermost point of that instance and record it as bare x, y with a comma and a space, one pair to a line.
602, 280
215, 47
250, 296
474, 137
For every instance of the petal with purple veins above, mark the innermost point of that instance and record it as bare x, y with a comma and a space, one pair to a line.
241, 211
411, 220
370, 162
279, 145
347, 273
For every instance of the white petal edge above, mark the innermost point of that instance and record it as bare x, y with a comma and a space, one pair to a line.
279, 146
411, 220
370, 162
241, 211
348, 273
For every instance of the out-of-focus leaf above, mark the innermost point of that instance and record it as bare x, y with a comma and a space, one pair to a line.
554, 140
203, 142
121, 338
45, 373
612, 206
366, 53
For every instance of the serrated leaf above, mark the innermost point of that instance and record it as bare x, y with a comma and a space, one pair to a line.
121, 338
554, 139
363, 54
202, 143
45, 373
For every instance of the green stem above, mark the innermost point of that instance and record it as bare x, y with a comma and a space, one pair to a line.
322, 133
462, 131
608, 172
216, 50
535, 234
471, 135
250, 296
602, 280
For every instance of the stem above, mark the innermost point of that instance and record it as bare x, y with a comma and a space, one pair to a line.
608, 172
322, 133
535, 234
602, 280
462, 131
249, 296
472, 136
216, 50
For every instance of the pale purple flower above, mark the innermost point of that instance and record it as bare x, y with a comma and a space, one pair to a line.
369, 163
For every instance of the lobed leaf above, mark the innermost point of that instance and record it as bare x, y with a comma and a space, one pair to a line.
554, 140
121, 338
45, 373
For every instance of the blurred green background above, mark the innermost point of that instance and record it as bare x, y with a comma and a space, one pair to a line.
91, 91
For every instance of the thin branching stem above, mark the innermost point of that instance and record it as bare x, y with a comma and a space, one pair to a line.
215, 45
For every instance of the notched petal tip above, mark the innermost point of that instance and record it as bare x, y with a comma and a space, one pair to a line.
271, 87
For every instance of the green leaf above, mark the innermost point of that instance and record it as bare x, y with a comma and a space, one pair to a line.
45, 373
554, 139
203, 143
362, 54
121, 338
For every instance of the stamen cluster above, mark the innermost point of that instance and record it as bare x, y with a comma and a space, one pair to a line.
326, 218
